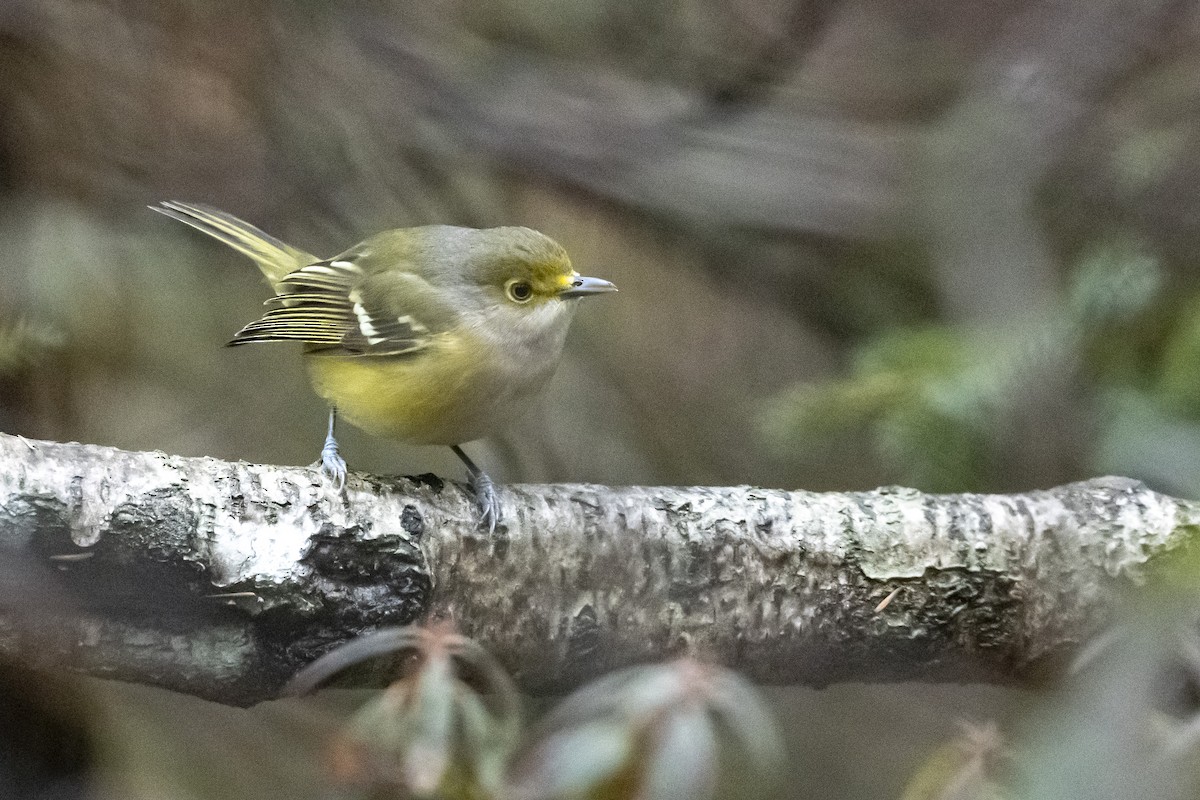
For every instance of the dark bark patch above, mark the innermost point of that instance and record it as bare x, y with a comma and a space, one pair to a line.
413, 523
372, 581
36, 523
147, 563
352, 585
584, 637
430, 480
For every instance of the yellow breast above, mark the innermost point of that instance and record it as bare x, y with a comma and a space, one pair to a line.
446, 394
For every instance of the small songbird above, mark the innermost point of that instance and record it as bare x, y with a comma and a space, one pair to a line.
430, 335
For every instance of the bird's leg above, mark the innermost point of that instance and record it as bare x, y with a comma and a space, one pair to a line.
485, 491
332, 464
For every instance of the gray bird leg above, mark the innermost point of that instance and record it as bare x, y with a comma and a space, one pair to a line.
485, 491
333, 466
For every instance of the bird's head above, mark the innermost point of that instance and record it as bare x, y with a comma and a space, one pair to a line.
524, 268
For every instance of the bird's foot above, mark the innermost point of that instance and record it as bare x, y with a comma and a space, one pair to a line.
332, 465
487, 499
485, 491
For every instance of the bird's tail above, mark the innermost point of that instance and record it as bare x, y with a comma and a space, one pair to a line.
275, 258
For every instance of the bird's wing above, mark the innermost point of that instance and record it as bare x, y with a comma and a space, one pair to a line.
336, 309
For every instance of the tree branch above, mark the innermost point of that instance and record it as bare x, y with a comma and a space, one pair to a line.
221, 579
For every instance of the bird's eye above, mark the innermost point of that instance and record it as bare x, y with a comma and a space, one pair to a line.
519, 291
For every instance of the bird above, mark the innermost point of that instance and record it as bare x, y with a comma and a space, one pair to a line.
432, 335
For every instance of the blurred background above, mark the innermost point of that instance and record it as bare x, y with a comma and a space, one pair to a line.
859, 242
948, 245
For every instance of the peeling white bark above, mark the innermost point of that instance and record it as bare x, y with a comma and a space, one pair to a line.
221, 579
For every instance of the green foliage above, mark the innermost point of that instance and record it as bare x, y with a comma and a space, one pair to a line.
1111, 285
907, 389
936, 402
965, 767
1179, 372
431, 734
1147, 372
447, 730
659, 731
23, 342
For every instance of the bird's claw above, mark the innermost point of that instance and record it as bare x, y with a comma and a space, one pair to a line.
488, 501
332, 465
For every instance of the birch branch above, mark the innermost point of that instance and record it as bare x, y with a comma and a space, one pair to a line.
221, 579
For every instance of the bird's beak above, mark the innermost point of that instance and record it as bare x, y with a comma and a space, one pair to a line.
582, 287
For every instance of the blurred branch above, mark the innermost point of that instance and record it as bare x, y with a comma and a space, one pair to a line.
653, 146
1022, 112
222, 579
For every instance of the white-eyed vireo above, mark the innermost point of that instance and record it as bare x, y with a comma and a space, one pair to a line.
429, 335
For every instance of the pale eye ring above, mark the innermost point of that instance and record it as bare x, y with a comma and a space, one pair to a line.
519, 291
